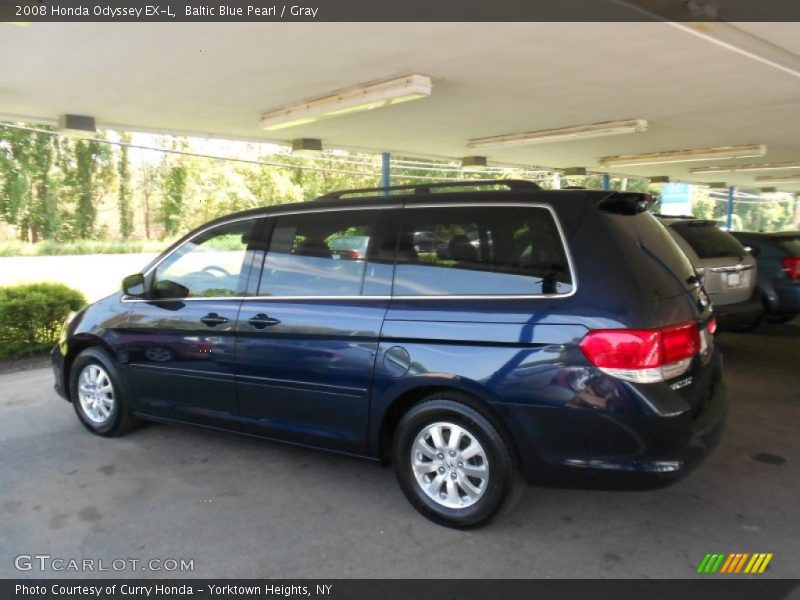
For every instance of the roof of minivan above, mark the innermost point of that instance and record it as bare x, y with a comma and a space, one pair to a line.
397, 200
672, 219
771, 235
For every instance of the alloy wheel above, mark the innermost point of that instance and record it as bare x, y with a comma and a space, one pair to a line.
96, 394
450, 465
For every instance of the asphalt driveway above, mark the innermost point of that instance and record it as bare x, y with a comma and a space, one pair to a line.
239, 507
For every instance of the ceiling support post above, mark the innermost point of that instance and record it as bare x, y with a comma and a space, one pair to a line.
729, 208
386, 173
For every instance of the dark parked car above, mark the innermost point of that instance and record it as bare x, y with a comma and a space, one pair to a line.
579, 340
778, 257
425, 241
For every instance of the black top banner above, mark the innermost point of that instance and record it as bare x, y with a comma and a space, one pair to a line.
398, 10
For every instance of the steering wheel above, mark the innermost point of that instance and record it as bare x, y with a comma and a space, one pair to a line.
211, 268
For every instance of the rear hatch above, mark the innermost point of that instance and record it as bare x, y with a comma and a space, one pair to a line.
729, 272
663, 267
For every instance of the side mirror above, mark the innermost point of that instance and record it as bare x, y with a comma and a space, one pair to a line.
133, 285
169, 289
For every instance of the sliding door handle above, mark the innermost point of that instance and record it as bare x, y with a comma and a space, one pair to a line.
260, 321
213, 319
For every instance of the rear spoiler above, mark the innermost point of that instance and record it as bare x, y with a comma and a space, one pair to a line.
625, 203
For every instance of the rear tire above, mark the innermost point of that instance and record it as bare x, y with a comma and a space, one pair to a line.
453, 463
97, 395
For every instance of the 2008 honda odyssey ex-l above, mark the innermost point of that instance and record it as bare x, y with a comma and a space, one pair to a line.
545, 331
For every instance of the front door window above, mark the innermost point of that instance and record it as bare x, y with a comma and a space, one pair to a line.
210, 265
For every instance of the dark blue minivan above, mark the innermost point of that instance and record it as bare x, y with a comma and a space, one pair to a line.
544, 331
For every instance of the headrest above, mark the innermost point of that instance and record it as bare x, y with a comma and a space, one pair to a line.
462, 250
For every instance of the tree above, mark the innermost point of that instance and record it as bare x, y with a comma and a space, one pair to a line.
88, 170
148, 178
124, 190
92, 171
28, 193
174, 186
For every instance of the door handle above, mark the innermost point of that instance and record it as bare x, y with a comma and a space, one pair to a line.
213, 319
261, 320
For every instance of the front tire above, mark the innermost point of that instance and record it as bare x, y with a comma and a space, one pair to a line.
452, 462
97, 395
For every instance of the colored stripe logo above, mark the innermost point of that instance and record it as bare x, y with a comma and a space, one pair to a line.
741, 562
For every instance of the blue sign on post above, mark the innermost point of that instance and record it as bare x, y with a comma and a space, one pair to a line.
676, 199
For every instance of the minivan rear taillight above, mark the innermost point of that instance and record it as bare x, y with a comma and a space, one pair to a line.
643, 355
791, 264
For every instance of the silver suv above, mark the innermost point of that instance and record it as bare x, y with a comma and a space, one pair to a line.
727, 269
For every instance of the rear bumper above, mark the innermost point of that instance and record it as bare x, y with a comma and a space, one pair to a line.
699, 438
572, 446
707, 428
741, 314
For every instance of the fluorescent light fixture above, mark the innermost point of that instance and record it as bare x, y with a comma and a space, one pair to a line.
578, 132
778, 178
746, 168
681, 156
350, 100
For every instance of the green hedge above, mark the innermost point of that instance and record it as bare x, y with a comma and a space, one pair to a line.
31, 316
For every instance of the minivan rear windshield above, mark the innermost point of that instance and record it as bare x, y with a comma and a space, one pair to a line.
708, 240
652, 254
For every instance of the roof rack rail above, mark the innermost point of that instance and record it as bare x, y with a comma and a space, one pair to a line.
425, 188
679, 217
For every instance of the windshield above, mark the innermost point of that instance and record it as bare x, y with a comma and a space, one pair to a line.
709, 241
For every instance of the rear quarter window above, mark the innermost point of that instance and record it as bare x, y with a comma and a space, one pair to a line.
479, 250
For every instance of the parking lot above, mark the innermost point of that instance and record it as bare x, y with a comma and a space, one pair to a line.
243, 508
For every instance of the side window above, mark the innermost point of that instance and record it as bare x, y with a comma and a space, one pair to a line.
319, 254
480, 250
211, 264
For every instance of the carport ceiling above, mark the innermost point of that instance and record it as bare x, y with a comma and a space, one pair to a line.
488, 79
